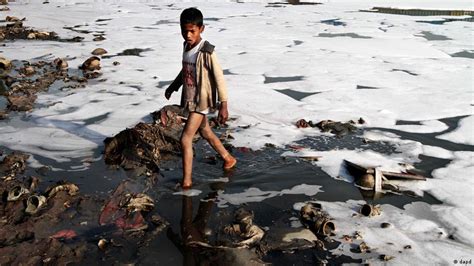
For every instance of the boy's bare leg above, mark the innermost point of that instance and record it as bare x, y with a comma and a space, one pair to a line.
190, 129
208, 134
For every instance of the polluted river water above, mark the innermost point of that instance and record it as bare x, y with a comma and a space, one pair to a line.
410, 81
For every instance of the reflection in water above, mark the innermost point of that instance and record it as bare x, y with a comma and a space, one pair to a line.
193, 230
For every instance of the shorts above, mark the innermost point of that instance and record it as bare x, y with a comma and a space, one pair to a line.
190, 107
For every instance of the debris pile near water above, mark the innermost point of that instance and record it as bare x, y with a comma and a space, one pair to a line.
16, 30
334, 127
147, 143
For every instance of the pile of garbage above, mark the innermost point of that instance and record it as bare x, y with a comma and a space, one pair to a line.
334, 127
146, 144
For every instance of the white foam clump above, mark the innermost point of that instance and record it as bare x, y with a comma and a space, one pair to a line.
254, 194
437, 152
189, 192
416, 226
463, 134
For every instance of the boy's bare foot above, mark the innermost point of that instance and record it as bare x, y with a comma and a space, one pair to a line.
229, 161
186, 183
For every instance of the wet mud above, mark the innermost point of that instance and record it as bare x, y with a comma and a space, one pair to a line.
22, 81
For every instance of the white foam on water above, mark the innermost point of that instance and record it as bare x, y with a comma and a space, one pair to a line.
437, 152
254, 194
463, 134
189, 192
416, 225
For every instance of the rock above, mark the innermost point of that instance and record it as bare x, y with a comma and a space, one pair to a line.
302, 123
91, 64
31, 36
102, 244
363, 248
5, 64
43, 35
60, 63
3, 115
13, 19
29, 70
99, 38
3, 2
21, 102
386, 225
99, 51
386, 257
116, 63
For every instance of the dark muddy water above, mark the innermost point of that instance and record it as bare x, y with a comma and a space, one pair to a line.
264, 169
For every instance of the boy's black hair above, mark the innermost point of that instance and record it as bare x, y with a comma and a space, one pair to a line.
191, 15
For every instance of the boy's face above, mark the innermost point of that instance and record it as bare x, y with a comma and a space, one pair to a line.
191, 34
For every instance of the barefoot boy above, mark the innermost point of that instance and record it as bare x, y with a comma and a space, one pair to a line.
203, 84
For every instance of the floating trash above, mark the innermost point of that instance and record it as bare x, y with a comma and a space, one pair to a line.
244, 228
71, 189
316, 219
370, 210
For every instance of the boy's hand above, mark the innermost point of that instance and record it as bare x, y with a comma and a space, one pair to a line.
168, 93
223, 113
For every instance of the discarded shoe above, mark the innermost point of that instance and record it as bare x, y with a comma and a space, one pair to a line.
16, 193
35, 203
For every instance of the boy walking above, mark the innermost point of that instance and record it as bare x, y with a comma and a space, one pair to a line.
203, 84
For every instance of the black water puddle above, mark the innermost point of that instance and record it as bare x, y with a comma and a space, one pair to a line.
406, 71
446, 20
165, 22
433, 37
334, 22
419, 12
362, 87
282, 79
96, 119
228, 72
465, 54
129, 52
144, 28
350, 34
212, 19
297, 95
103, 19
292, 2
407, 122
295, 43
430, 138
